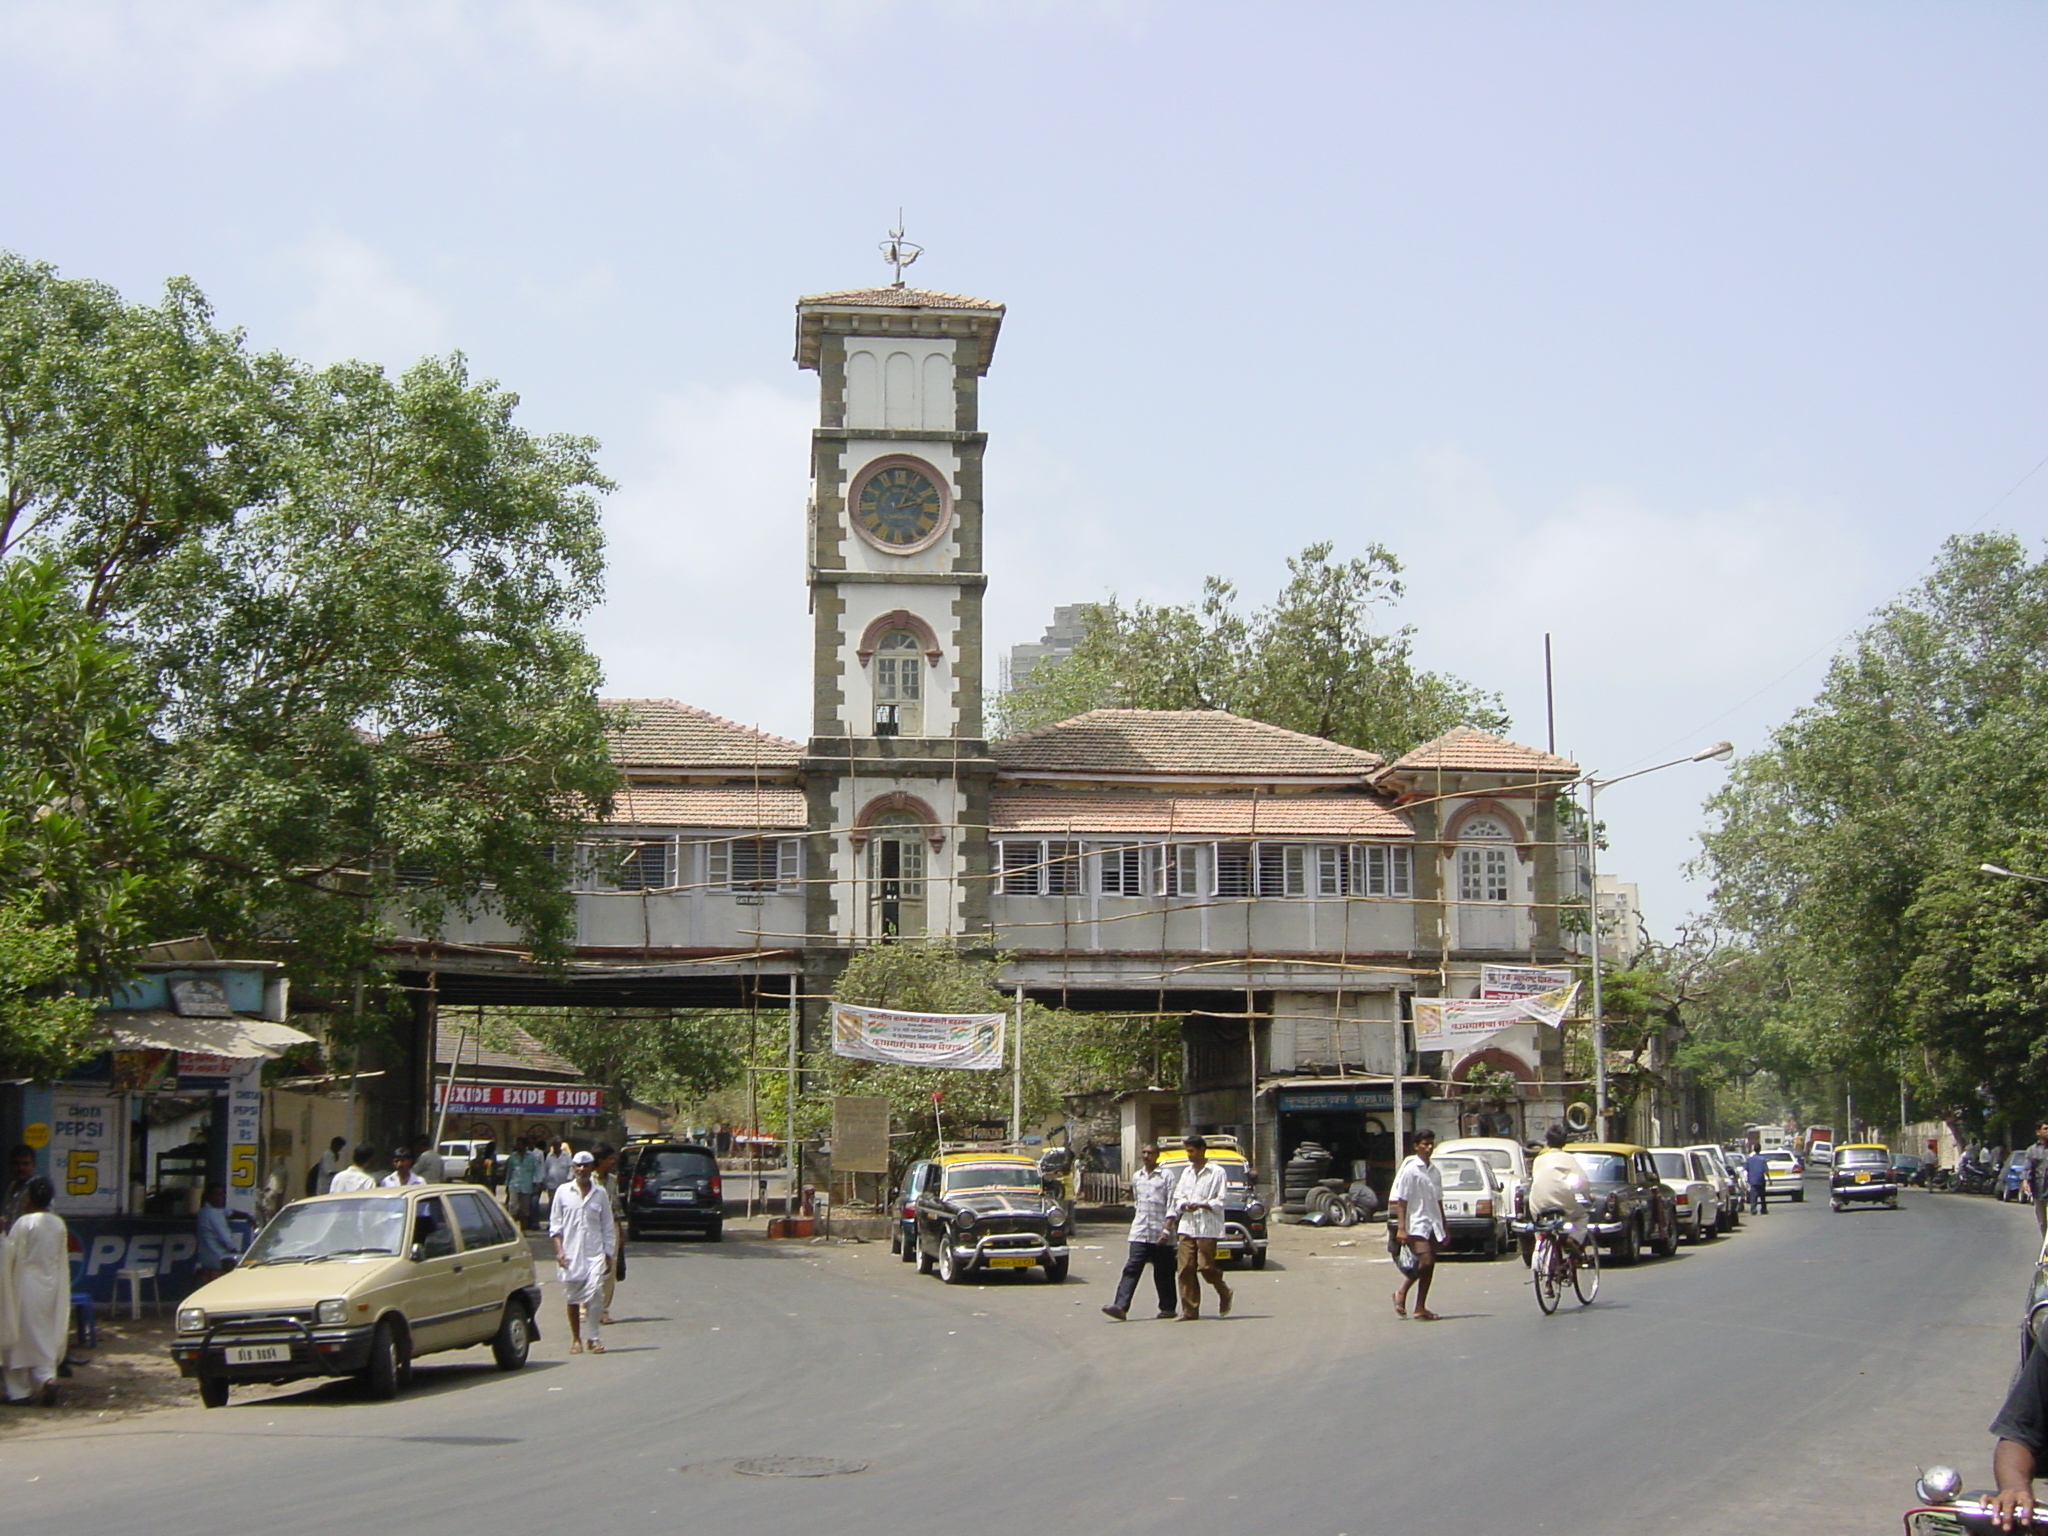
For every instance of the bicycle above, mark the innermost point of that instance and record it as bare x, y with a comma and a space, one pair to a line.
1559, 1261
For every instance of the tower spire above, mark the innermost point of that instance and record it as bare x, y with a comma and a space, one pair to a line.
899, 252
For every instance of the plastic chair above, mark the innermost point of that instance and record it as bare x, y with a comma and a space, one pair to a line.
85, 1320
136, 1276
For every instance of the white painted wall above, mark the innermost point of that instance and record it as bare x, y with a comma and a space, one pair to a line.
865, 604
900, 382
943, 888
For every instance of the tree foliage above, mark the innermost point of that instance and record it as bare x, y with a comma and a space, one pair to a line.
352, 600
656, 1055
1311, 661
1846, 854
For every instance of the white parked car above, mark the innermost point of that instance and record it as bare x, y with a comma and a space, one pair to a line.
1475, 1205
1728, 1183
1508, 1159
1699, 1202
1783, 1176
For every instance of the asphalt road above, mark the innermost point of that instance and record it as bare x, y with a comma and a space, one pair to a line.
1789, 1377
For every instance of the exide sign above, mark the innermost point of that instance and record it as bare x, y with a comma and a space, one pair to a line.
515, 1098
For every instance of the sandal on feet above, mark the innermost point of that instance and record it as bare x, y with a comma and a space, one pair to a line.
1400, 1306
596, 1348
576, 1348
1424, 1315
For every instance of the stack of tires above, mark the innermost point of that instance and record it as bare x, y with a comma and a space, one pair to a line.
1307, 1190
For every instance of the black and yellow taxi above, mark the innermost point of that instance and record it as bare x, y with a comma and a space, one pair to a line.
360, 1284
1244, 1213
1628, 1204
1862, 1175
979, 1209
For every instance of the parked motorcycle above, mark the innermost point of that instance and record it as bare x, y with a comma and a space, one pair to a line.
1973, 1177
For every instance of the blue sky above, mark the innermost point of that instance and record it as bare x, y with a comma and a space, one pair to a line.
1683, 332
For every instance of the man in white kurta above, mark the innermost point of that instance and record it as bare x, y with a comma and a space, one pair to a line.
1416, 1202
38, 1297
581, 1223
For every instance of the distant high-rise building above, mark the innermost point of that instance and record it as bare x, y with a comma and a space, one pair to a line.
1061, 636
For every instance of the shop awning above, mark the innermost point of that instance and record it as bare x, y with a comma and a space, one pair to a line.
156, 1029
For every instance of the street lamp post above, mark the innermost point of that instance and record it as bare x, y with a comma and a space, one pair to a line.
1720, 751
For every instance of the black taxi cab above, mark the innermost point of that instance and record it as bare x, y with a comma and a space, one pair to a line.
977, 1209
1862, 1175
1244, 1213
1627, 1203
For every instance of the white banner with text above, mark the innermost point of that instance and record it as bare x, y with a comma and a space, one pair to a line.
968, 1040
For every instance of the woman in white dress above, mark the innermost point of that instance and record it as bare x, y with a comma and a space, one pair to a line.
37, 1298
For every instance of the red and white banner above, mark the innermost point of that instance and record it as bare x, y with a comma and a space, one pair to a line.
1521, 980
520, 1099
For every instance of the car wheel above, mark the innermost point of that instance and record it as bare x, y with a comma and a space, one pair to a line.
1835, 1206
924, 1260
906, 1247
385, 1373
1799, 1197
1258, 1259
1341, 1212
213, 1391
1055, 1271
514, 1337
950, 1268
1627, 1248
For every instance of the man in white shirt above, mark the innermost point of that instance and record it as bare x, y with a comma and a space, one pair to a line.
401, 1173
1151, 1235
1198, 1219
1555, 1183
356, 1175
585, 1236
1417, 1204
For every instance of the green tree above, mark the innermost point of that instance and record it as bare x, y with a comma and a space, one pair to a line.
1844, 856
656, 1055
355, 599
1311, 661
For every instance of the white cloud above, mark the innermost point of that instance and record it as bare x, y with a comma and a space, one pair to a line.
706, 598
357, 305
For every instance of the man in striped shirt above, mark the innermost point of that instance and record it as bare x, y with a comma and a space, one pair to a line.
1151, 1236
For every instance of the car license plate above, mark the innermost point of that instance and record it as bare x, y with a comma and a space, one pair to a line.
1862, 1178
677, 1197
259, 1354
1010, 1261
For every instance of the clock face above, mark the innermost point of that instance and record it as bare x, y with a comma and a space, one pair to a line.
899, 506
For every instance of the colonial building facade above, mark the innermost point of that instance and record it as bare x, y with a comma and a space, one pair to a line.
1283, 896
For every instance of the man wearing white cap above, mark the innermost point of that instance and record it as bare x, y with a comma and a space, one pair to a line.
581, 1223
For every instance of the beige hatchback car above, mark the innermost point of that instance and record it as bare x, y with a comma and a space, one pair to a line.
360, 1285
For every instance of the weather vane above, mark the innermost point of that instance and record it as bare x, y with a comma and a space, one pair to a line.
899, 252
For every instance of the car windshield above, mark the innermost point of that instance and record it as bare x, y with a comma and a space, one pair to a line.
670, 1165
1671, 1165
1861, 1157
1603, 1167
330, 1229
992, 1176
1461, 1173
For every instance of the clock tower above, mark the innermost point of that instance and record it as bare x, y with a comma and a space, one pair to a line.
897, 769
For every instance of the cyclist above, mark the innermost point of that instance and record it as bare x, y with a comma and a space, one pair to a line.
1555, 1184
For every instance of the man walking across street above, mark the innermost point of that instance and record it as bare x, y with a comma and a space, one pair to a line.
2034, 1178
321, 1178
522, 1183
1198, 1217
585, 1237
1417, 1204
357, 1174
1758, 1171
1152, 1245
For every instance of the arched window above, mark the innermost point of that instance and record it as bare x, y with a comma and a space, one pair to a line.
1483, 869
899, 684
896, 874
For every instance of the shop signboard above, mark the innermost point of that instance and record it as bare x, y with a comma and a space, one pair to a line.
520, 1099
1318, 1101
972, 1041
245, 1133
198, 1069
85, 1153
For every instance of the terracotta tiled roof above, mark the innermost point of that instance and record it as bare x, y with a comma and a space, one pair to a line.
665, 734
901, 298
521, 1053
1051, 813
1467, 750
1201, 743
772, 808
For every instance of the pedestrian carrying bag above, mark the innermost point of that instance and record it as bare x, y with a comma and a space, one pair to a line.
1402, 1255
